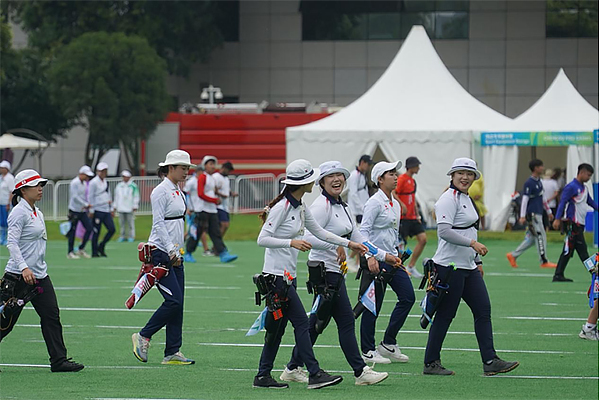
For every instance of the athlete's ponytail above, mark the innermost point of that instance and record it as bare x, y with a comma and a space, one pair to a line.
15, 199
287, 189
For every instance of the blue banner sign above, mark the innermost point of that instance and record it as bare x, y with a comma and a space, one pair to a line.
539, 138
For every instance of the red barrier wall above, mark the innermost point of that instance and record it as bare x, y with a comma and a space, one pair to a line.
254, 143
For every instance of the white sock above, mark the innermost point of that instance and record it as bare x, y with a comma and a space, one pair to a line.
589, 327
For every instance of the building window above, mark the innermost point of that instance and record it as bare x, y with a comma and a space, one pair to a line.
571, 19
383, 20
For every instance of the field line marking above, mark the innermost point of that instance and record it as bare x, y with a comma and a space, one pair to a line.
329, 346
409, 373
546, 318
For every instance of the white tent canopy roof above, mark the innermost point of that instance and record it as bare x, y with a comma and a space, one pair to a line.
416, 93
10, 141
560, 109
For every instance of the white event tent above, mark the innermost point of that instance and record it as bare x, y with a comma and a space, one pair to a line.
560, 117
416, 108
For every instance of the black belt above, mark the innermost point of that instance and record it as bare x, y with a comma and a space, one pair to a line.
174, 218
474, 225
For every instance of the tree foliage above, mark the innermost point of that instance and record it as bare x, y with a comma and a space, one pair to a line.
181, 32
114, 85
25, 100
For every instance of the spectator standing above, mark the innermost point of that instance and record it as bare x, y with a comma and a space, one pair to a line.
127, 202
7, 183
476, 193
358, 194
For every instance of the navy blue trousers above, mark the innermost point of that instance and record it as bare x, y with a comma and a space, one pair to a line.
343, 316
296, 314
170, 312
99, 219
467, 285
74, 218
405, 293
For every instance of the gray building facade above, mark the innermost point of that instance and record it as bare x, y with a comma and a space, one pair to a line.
506, 59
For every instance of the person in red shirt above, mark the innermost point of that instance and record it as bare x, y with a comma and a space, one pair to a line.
410, 224
207, 219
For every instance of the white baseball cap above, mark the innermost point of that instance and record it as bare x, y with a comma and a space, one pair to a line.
464, 164
86, 170
382, 167
177, 157
5, 164
126, 173
101, 166
207, 159
300, 172
331, 167
28, 177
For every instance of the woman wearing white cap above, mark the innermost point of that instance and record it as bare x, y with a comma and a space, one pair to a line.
100, 200
381, 220
334, 216
166, 240
127, 201
458, 221
78, 209
26, 267
284, 221
7, 182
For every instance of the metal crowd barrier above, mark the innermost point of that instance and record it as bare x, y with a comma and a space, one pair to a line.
254, 193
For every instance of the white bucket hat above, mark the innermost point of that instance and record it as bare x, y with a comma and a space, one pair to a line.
177, 157
28, 177
5, 164
101, 166
86, 170
382, 167
300, 172
465, 164
207, 159
126, 173
331, 167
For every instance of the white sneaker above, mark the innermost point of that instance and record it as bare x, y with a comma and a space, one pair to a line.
294, 375
370, 377
588, 335
373, 356
83, 254
414, 272
72, 256
392, 351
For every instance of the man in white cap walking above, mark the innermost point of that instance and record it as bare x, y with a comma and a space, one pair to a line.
7, 182
127, 200
100, 200
78, 209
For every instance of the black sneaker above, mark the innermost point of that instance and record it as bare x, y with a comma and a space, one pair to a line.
436, 368
101, 252
561, 278
268, 382
499, 366
322, 379
67, 366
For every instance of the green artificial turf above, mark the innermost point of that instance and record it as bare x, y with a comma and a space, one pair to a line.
220, 308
